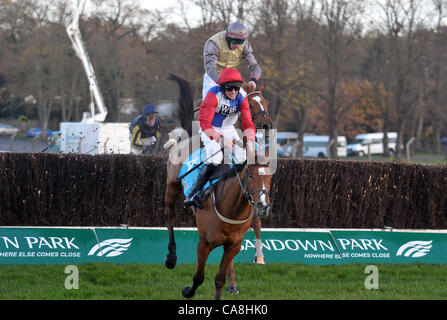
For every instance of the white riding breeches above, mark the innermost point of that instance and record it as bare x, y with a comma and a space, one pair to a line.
214, 155
208, 83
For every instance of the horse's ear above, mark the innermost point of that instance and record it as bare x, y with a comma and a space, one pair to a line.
260, 86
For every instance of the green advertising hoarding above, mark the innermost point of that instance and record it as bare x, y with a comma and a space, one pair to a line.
63, 245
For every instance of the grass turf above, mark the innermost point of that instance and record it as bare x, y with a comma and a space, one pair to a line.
275, 281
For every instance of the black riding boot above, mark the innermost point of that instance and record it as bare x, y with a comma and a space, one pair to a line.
194, 197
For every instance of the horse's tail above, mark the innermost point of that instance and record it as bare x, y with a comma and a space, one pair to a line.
186, 103
170, 143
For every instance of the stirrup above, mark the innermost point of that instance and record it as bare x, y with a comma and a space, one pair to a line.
194, 201
188, 202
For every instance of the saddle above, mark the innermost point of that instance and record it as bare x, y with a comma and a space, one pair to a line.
223, 171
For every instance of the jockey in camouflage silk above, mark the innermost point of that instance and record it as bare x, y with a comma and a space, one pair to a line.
226, 49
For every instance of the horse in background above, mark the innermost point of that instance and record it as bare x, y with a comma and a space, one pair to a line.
262, 120
189, 109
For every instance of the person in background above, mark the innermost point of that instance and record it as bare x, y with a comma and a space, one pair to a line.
226, 49
144, 130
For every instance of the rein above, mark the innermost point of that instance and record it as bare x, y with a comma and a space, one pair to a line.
253, 92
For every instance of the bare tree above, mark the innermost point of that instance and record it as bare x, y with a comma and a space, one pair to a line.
120, 28
29, 54
339, 21
400, 24
40, 73
14, 20
223, 12
436, 70
376, 70
301, 69
274, 17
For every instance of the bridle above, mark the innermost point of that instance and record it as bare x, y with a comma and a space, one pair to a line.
245, 192
248, 194
263, 111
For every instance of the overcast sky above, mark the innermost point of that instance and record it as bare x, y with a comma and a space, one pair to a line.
172, 6
158, 4
172, 12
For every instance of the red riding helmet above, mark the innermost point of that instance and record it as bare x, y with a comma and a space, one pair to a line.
230, 76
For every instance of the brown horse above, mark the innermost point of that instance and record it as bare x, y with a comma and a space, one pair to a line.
213, 231
259, 108
221, 222
262, 120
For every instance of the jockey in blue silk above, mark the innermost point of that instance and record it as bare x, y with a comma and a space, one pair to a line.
218, 114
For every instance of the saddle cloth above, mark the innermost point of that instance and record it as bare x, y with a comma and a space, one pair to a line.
223, 171
194, 159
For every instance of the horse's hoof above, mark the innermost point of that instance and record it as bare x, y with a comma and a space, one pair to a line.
170, 261
259, 260
233, 290
186, 292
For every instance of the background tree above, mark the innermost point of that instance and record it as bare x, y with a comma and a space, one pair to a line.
274, 17
377, 72
436, 104
329, 67
403, 50
339, 28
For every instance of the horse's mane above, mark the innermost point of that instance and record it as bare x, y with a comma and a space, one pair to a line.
185, 102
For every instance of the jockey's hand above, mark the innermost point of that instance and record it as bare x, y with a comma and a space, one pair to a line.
252, 85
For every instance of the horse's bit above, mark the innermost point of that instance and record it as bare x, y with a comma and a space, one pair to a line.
245, 191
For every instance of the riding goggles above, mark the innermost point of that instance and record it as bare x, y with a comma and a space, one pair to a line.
237, 41
230, 87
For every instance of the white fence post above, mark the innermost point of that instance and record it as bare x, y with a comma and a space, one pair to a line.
407, 147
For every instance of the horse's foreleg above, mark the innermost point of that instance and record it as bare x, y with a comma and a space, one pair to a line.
232, 286
227, 258
203, 251
259, 256
172, 192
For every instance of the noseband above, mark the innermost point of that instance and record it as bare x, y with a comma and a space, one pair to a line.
246, 193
